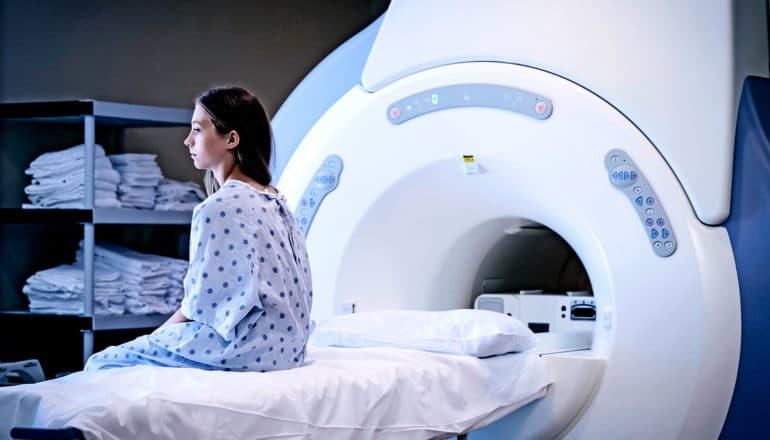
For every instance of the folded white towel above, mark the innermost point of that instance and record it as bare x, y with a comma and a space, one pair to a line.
65, 169
172, 195
77, 152
128, 158
78, 204
77, 175
58, 180
175, 206
139, 175
72, 200
136, 191
48, 185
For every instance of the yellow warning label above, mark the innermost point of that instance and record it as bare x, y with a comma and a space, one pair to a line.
468, 159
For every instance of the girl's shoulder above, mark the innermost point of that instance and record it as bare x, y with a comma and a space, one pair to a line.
226, 198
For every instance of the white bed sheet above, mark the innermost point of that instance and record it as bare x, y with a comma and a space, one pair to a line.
342, 393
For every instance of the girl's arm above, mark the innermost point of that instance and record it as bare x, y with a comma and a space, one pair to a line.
177, 317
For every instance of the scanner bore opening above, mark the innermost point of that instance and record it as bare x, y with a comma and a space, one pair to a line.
534, 275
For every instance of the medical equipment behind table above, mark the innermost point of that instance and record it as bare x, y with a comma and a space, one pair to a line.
15, 373
562, 321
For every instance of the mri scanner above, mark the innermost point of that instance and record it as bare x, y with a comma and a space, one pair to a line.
544, 145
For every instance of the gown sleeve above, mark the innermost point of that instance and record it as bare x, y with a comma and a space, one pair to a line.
221, 286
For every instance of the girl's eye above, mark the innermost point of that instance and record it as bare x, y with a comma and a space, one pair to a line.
196, 130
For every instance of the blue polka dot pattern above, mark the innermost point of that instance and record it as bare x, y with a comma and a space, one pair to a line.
243, 263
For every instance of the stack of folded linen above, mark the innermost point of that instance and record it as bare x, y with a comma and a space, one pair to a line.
58, 180
125, 281
151, 283
173, 195
139, 175
60, 290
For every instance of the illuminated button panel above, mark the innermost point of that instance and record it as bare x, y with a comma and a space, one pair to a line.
324, 181
469, 95
625, 176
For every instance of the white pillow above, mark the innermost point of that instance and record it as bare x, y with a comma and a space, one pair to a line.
463, 331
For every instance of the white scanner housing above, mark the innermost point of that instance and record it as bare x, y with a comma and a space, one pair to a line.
652, 86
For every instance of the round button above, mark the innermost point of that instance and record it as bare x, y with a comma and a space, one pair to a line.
649, 211
649, 222
540, 107
395, 113
637, 190
332, 163
650, 200
658, 244
660, 222
669, 244
623, 175
615, 159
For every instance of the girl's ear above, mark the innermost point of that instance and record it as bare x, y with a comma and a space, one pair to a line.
232, 139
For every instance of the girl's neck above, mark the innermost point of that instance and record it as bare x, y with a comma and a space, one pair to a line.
237, 174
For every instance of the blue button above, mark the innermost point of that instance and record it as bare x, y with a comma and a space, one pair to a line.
649, 222
325, 181
304, 202
661, 222
623, 175
304, 221
312, 203
654, 233
639, 201
650, 200
664, 233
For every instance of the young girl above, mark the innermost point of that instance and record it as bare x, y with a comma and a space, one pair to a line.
248, 289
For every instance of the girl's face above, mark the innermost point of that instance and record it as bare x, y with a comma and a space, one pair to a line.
208, 148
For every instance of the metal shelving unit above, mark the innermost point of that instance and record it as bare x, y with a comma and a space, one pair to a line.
91, 113
95, 322
97, 216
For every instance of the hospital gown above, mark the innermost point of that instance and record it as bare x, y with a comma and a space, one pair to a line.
247, 291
